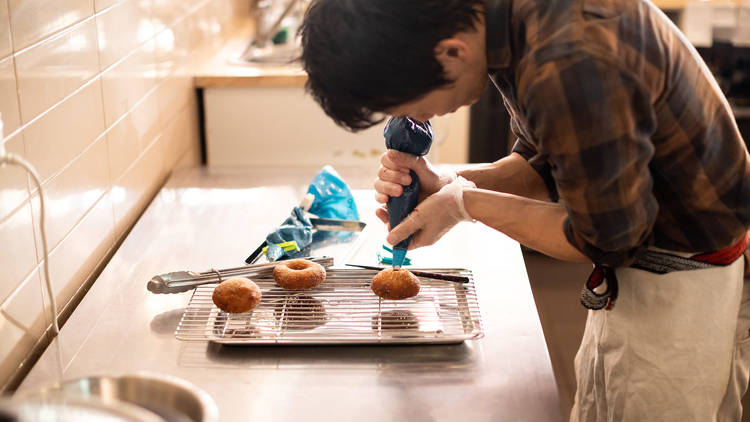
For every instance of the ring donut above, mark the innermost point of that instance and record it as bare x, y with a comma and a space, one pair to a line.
236, 295
395, 284
299, 274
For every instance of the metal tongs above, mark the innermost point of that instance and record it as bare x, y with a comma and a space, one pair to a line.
182, 281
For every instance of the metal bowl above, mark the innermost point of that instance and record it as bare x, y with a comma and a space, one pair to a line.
72, 410
171, 398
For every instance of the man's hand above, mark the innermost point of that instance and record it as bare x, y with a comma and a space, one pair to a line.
394, 174
432, 218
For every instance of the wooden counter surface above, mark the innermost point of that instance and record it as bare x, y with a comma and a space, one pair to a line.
225, 69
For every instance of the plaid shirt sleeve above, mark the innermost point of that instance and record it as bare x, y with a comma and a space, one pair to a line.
593, 121
537, 162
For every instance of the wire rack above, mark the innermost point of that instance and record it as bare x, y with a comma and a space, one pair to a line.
342, 310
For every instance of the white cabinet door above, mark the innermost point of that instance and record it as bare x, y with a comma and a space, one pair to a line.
250, 126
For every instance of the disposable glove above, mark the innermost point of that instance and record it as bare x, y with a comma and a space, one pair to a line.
394, 174
432, 218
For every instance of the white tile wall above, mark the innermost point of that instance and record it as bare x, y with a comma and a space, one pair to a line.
173, 92
72, 193
82, 250
180, 134
33, 20
131, 192
20, 259
125, 83
13, 183
114, 43
131, 134
13, 338
98, 96
50, 71
54, 140
26, 307
22, 320
8, 95
5, 46
100, 5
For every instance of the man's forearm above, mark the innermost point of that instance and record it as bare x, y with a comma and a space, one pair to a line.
511, 174
536, 224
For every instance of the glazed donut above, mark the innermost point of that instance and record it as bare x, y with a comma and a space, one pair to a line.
236, 295
395, 284
299, 274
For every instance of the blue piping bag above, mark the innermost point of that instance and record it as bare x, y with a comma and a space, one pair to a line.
413, 137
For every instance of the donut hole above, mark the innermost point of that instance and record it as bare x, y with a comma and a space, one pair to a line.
297, 265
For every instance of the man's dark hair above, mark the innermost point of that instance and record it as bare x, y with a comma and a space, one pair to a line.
363, 57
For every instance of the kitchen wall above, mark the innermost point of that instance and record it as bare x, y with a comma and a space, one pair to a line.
97, 95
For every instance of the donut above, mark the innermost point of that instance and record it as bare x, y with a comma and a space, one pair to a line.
236, 295
395, 284
299, 274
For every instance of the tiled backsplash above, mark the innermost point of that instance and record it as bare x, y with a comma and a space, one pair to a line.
97, 95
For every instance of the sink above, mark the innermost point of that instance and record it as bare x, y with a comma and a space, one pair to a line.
50, 409
171, 398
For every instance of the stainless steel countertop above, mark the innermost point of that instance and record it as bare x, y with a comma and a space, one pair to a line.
207, 219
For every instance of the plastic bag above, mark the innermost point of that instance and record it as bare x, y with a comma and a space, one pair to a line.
332, 199
297, 228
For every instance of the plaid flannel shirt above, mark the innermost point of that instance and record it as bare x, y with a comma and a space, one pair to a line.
624, 122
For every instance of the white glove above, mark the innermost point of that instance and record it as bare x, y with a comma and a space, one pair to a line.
432, 218
394, 174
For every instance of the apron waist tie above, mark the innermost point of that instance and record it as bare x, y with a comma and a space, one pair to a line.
600, 290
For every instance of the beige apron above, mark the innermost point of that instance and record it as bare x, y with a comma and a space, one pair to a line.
675, 347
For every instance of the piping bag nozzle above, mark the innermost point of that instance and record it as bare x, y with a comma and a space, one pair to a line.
415, 138
399, 255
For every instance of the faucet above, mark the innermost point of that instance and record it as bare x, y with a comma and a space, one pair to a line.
260, 49
263, 37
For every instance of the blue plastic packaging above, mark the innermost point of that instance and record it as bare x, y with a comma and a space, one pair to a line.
333, 199
297, 227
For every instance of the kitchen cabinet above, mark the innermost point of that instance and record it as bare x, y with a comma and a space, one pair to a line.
257, 125
278, 123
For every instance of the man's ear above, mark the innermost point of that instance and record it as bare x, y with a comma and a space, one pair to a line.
452, 53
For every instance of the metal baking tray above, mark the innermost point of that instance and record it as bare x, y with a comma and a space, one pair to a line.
342, 310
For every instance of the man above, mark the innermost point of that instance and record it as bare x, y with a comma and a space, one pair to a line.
627, 157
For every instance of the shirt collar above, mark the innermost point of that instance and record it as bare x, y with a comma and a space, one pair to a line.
498, 33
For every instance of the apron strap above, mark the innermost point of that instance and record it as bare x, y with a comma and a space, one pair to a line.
600, 290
